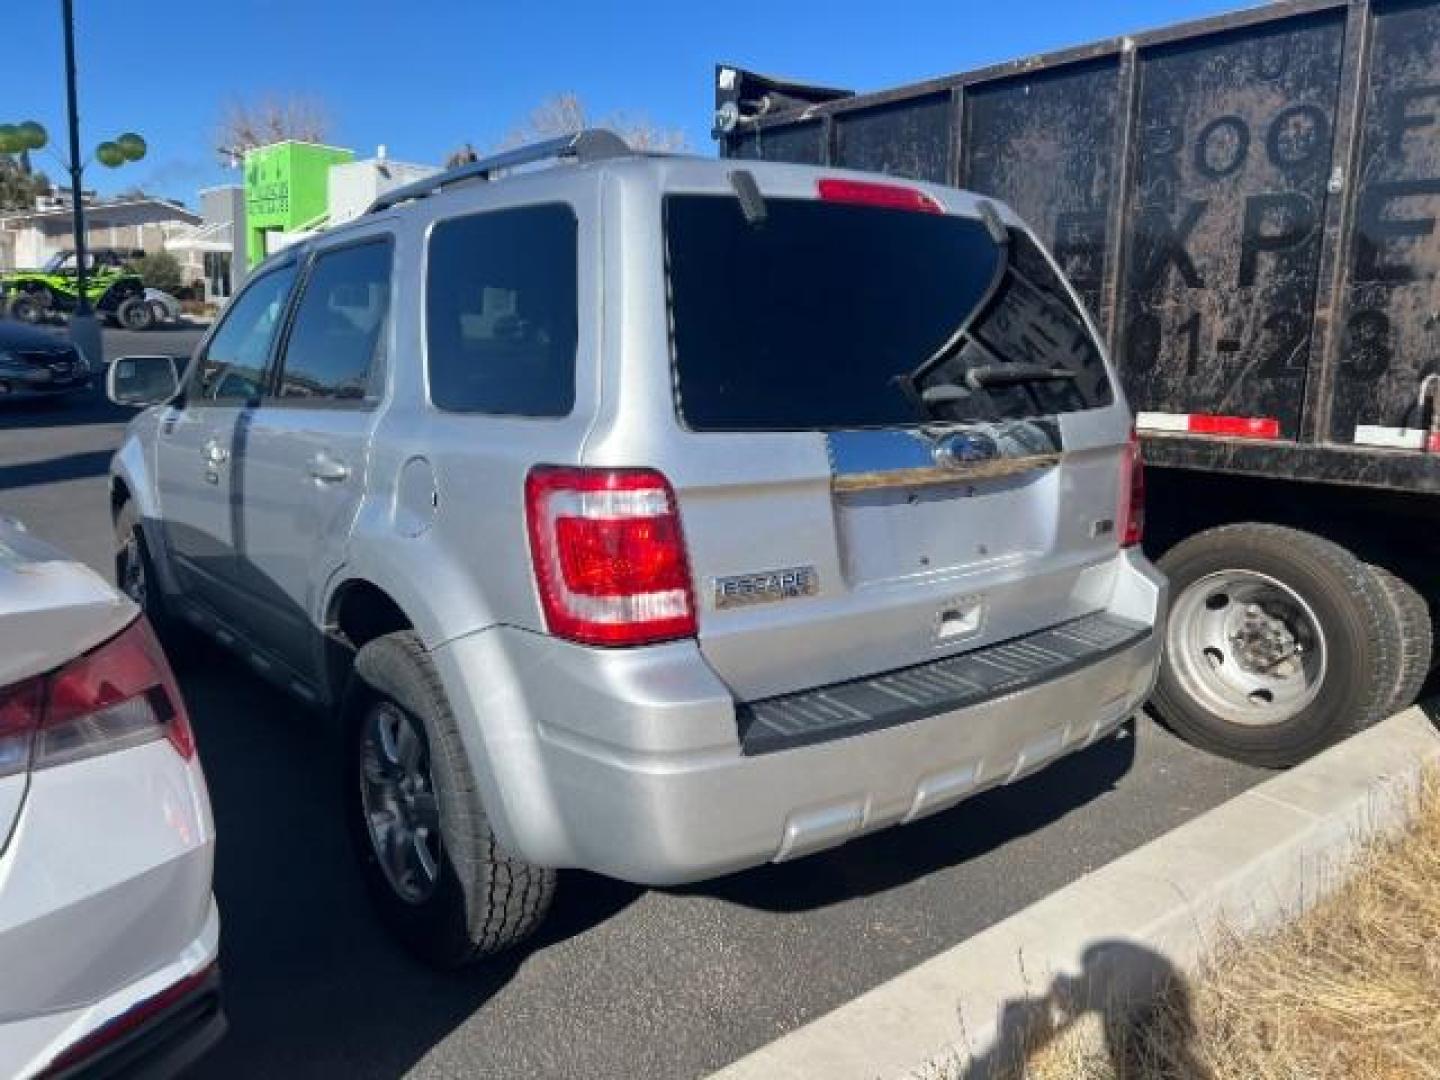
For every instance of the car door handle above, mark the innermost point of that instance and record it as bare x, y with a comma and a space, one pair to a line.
327, 469
215, 454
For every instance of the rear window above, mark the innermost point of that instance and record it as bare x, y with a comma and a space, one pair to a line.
826, 316
501, 312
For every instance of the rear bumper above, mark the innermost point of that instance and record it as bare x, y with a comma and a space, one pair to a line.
105, 901
158, 1038
631, 763
155, 1027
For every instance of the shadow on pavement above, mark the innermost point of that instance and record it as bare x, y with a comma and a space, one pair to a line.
313, 983
72, 410
894, 857
55, 470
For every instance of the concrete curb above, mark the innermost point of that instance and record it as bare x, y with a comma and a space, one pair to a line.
1246, 865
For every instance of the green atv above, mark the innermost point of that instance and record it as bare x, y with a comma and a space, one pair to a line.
116, 293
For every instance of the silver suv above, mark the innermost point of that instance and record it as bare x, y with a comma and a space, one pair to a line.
652, 515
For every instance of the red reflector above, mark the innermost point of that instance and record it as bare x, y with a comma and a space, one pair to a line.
867, 193
609, 555
1132, 494
1242, 427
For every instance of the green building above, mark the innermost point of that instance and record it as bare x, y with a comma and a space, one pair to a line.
285, 190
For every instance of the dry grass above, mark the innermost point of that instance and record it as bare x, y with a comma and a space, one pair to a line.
1350, 990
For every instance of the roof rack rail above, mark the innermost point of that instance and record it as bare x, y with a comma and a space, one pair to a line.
592, 144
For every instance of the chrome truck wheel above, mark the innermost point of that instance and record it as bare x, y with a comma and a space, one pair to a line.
1247, 646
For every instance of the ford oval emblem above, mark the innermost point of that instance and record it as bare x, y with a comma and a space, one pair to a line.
962, 448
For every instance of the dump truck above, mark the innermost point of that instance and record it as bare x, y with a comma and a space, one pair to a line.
1247, 207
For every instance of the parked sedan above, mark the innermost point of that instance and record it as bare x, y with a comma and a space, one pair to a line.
36, 363
108, 926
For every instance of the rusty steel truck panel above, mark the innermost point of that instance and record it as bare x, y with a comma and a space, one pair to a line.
1247, 204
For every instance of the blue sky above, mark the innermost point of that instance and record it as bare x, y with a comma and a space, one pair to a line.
422, 76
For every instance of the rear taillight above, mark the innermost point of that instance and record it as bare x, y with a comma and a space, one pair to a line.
1132, 494
868, 193
609, 555
118, 695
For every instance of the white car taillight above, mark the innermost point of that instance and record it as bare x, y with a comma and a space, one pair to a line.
1132, 494
609, 557
118, 695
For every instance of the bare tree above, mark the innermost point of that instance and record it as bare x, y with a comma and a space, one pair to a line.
461, 155
244, 125
565, 114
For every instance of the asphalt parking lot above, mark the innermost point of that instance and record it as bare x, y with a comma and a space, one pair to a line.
623, 981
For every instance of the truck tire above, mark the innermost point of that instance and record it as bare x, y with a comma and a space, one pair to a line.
135, 577
437, 873
27, 308
136, 314
1416, 638
1278, 643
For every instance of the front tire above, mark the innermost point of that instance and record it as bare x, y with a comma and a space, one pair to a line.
135, 577
435, 869
1278, 643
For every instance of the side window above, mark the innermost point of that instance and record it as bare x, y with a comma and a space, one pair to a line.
232, 370
501, 312
338, 331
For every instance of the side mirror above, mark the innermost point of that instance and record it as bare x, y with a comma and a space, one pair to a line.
143, 380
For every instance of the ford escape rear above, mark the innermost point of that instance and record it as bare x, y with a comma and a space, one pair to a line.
652, 515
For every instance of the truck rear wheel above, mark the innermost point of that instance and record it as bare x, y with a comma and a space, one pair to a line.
1416, 638
136, 314
1278, 644
435, 868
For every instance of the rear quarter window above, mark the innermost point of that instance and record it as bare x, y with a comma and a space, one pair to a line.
501, 312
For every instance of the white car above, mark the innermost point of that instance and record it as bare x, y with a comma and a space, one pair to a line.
109, 932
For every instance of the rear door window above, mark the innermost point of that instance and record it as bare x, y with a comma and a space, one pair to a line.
828, 316
501, 315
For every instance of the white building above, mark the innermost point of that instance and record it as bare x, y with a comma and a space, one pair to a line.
350, 189
207, 253
138, 224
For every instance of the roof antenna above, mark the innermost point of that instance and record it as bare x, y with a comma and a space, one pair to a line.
752, 203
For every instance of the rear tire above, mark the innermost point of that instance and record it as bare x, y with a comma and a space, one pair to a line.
136, 314
1416, 638
1242, 598
429, 855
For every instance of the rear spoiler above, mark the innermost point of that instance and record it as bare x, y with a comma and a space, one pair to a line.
741, 97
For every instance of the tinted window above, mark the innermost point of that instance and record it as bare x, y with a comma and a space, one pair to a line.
829, 316
501, 312
337, 334
233, 367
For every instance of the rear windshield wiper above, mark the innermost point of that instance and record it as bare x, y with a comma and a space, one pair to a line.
983, 376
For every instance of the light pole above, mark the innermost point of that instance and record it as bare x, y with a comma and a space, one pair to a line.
84, 330
19, 138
